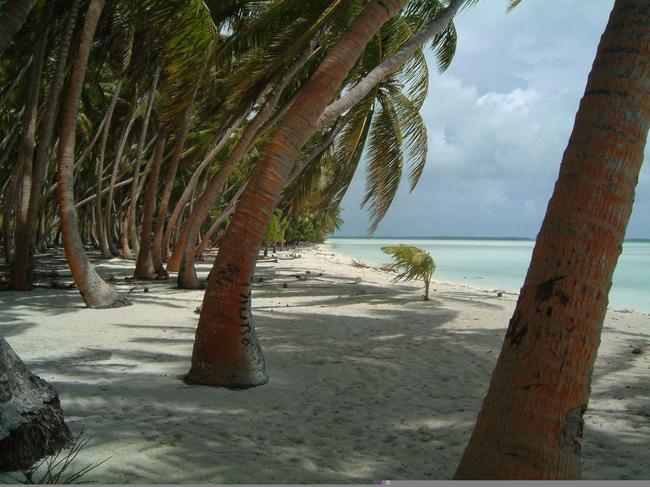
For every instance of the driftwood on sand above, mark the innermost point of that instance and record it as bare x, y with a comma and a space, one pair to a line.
31, 419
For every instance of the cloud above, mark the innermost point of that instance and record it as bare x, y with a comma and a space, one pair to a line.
498, 123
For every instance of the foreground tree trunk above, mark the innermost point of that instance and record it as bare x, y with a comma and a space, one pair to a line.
531, 423
95, 292
226, 350
31, 420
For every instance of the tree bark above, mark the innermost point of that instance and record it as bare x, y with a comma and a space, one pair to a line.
174, 262
101, 230
226, 350
157, 250
144, 267
133, 233
32, 424
22, 268
95, 292
112, 184
187, 278
13, 16
531, 422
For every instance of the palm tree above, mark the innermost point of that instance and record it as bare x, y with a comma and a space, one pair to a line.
95, 292
531, 422
413, 262
226, 350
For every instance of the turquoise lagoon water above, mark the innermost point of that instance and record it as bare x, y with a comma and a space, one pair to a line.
502, 263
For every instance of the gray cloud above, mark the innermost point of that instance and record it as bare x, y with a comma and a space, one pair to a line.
499, 120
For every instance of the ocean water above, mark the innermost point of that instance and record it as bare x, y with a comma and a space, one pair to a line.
502, 264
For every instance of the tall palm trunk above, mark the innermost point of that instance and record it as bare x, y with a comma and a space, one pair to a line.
13, 15
531, 423
220, 141
170, 176
133, 233
94, 291
144, 267
226, 349
108, 215
22, 269
187, 278
101, 230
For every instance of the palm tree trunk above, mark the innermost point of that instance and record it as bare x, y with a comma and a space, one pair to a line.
531, 423
94, 291
206, 241
101, 230
157, 250
22, 269
174, 262
226, 350
12, 17
116, 168
390, 65
187, 278
133, 233
144, 268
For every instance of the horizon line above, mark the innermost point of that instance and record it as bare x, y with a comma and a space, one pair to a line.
457, 237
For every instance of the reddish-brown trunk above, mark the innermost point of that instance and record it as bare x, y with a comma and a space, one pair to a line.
226, 350
95, 292
157, 250
531, 422
144, 268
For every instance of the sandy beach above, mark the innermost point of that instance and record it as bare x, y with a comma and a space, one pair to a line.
367, 381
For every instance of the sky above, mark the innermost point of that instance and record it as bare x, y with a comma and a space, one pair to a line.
498, 121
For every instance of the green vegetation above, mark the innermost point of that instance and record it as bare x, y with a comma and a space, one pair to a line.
411, 263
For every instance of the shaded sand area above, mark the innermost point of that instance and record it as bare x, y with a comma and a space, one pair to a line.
367, 381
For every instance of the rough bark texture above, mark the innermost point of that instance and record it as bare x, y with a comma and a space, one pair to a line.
531, 423
31, 420
226, 350
95, 292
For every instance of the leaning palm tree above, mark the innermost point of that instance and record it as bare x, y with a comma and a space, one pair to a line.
412, 263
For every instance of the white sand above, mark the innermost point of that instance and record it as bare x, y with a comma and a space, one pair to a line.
368, 381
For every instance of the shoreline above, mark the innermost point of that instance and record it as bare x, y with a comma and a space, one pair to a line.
471, 287
367, 381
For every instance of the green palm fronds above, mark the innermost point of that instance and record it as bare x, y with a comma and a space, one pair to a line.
411, 263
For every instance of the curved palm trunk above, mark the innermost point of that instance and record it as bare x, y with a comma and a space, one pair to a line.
175, 260
12, 17
531, 423
226, 350
216, 224
187, 278
133, 233
144, 267
22, 269
114, 174
101, 230
94, 291
157, 250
